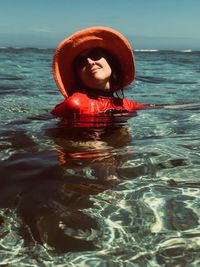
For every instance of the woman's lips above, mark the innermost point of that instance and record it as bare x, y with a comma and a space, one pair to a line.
93, 70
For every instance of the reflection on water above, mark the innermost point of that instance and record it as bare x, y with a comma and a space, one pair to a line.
50, 190
95, 196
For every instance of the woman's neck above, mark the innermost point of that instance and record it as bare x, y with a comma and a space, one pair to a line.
99, 92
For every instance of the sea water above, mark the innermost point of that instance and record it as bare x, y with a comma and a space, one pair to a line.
124, 193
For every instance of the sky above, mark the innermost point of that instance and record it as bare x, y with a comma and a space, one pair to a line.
148, 24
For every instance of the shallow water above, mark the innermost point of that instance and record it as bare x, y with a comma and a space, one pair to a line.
120, 193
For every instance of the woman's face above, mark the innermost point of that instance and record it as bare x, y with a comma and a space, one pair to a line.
93, 69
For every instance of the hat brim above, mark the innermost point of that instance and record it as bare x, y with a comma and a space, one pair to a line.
107, 38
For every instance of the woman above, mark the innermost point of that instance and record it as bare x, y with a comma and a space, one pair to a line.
90, 68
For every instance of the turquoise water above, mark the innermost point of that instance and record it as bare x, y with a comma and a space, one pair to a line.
124, 193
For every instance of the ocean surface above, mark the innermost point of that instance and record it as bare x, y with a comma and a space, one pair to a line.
97, 193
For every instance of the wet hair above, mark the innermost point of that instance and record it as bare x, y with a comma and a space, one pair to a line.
116, 79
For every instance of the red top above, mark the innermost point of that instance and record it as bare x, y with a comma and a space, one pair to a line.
81, 104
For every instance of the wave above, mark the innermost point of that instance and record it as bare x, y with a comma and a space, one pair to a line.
186, 51
161, 80
167, 51
8, 48
147, 50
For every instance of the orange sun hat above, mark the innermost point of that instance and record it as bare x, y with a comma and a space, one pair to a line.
95, 37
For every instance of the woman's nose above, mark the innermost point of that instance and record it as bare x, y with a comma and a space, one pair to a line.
90, 61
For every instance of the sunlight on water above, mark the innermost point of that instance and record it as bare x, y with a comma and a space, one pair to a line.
94, 193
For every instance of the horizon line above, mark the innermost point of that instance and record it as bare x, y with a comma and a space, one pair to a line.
135, 50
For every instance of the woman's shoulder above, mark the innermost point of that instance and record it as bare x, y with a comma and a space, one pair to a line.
76, 100
77, 97
69, 105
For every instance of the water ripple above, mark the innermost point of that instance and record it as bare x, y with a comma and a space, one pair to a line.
97, 193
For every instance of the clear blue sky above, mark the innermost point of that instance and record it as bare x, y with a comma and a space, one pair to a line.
149, 24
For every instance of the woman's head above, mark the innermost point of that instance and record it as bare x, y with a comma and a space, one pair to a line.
117, 52
96, 69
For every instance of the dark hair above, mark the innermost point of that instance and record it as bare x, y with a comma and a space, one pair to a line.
116, 79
